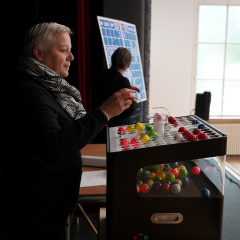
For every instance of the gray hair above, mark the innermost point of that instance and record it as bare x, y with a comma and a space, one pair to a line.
42, 35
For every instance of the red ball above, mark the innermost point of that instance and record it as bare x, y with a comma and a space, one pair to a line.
186, 133
165, 187
175, 172
144, 188
202, 136
156, 172
124, 143
170, 118
135, 142
182, 129
137, 188
159, 117
191, 138
197, 132
122, 130
196, 170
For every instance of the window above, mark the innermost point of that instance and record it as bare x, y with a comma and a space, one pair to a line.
218, 58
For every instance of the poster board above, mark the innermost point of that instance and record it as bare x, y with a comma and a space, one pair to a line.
117, 34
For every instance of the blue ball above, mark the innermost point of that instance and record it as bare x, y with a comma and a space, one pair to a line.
166, 168
166, 181
157, 186
144, 176
185, 181
206, 193
176, 183
174, 165
201, 126
195, 122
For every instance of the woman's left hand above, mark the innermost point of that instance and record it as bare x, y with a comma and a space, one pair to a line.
135, 89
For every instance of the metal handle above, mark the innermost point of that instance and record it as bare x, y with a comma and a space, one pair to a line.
163, 108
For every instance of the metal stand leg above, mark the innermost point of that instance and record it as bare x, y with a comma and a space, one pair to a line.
68, 228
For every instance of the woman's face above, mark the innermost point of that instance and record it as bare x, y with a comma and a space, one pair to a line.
58, 56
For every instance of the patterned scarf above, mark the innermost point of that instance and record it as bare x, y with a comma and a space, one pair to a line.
67, 96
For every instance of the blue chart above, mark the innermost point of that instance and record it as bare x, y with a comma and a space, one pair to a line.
117, 34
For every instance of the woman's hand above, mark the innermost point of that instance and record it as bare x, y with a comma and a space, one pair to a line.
135, 88
118, 102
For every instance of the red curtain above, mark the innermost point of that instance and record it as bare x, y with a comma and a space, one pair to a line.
83, 38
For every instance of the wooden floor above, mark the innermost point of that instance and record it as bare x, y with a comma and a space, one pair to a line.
234, 161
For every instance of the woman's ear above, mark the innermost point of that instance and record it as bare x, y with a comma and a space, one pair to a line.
38, 54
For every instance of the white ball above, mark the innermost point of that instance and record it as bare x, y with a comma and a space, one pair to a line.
175, 188
178, 137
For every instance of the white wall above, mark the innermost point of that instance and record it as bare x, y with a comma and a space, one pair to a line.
171, 71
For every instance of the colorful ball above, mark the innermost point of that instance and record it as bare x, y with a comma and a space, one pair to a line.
140, 171
170, 177
201, 126
205, 192
195, 122
165, 187
191, 138
175, 172
174, 164
149, 128
175, 183
150, 184
159, 117
185, 181
153, 135
152, 175
162, 175
202, 136
157, 186
196, 170
183, 173
182, 129
175, 188
166, 168
157, 179
179, 181
156, 172
161, 167
122, 130
150, 180
135, 142
139, 127
130, 129
144, 176
139, 183
137, 188
197, 132
124, 143
144, 138
144, 188
155, 166
166, 181
181, 167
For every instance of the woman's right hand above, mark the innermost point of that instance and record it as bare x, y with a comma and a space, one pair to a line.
118, 102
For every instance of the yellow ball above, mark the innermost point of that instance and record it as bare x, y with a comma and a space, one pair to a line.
162, 175
144, 138
151, 181
161, 167
152, 175
139, 127
181, 167
179, 181
130, 129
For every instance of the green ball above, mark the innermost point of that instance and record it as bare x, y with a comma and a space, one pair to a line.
149, 128
157, 179
150, 184
140, 171
170, 177
155, 166
139, 183
153, 135
183, 172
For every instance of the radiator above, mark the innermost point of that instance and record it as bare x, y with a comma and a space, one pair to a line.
233, 136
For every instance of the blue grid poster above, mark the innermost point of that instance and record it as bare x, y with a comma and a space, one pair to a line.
117, 34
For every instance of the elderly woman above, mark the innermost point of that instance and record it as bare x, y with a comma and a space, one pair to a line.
47, 127
112, 80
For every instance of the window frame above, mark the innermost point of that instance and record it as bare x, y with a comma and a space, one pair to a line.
197, 5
